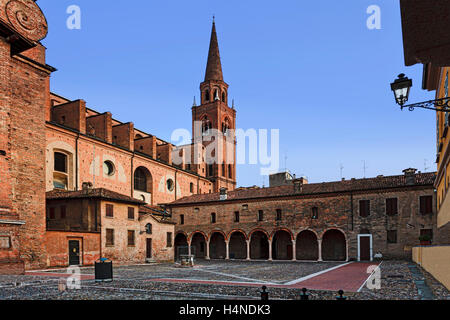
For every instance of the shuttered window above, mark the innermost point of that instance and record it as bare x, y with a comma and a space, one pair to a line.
391, 206
131, 242
130, 213
364, 208
426, 205
109, 210
109, 237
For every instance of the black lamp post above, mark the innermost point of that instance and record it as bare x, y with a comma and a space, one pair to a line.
401, 88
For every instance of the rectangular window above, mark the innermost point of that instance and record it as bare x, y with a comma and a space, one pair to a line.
63, 212
236, 216
182, 219
60, 162
213, 218
51, 214
391, 207
109, 237
426, 205
392, 236
109, 210
5, 242
169, 239
427, 232
364, 208
260, 215
131, 242
315, 213
130, 213
279, 215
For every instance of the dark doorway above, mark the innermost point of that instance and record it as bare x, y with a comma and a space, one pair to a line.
149, 248
259, 246
334, 247
74, 253
364, 248
181, 245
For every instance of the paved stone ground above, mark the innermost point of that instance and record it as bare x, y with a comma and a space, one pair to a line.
137, 283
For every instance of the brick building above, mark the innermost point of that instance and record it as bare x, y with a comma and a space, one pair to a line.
349, 219
93, 161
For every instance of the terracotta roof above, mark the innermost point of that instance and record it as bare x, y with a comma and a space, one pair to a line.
381, 182
100, 193
214, 66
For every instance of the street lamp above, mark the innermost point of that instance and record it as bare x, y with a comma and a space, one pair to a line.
401, 88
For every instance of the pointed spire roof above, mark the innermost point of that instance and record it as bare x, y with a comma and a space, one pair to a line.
214, 66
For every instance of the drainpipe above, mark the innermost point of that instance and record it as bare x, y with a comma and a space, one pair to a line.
76, 162
351, 208
132, 176
176, 171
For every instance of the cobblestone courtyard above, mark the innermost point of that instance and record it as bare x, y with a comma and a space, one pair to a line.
229, 280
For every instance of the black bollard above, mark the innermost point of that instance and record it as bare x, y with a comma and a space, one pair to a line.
304, 295
264, 294
341, 295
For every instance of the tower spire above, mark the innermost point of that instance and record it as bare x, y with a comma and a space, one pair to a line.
214, 66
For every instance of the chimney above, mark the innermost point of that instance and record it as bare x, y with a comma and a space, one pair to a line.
223, 194
410, 176
87, 186
298, 185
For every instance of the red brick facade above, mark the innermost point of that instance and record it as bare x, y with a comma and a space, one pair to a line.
310, 222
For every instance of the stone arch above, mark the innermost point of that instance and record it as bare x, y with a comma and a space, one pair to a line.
282, 229
198, 241
334, 245
237, 230
282, 244
259, 244
217, 245
307, 247
237, 244
181, 244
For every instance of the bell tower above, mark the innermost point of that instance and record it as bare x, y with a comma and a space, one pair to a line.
218, 121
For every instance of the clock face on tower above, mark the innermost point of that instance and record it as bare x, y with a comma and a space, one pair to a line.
25, 17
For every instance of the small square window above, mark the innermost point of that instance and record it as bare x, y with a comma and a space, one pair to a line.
392, 236
5, 242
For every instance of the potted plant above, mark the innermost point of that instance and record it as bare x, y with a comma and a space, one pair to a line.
425, 240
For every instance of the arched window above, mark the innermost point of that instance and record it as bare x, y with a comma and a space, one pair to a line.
225, 126
148, 228
216, 95
230, 171
207, 97
61, 171
206, 126
224, 97
140, 180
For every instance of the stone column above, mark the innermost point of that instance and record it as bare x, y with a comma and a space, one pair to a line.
189, 247
207, 250
248, 250
227, 245
319, 241
294, 250
270, 250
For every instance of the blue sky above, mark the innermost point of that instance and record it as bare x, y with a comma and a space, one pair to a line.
309, 68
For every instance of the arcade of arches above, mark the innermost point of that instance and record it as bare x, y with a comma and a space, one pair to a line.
282, 244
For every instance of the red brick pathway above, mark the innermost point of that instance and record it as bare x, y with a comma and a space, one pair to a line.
348, 278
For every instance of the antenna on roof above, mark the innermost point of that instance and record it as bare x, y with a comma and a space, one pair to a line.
364, 168
342, 169
425, 165
285, 162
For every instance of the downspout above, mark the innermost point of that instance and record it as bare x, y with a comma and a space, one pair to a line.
132, 176
176, 171
351, 208
76, 162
